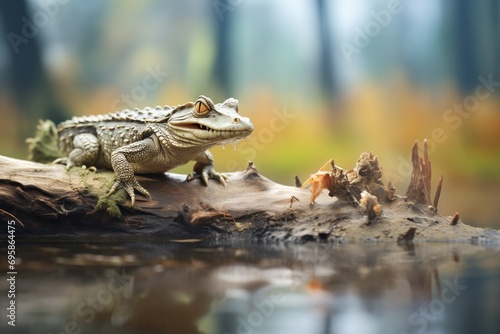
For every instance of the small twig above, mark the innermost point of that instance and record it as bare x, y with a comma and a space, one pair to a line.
454, 220
390, 193
290, 202
251, 168
427, 174
12, 216
438, 192
298, 184
293, 199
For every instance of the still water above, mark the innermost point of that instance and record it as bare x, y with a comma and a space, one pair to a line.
163, 286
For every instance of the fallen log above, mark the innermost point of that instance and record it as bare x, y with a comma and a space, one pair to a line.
48, 200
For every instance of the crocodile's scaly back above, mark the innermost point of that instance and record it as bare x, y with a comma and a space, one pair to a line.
146, 115
90, 124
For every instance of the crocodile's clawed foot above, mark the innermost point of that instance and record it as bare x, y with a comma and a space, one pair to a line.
64, 161
68, 163
208, 172
90, 169
129, 187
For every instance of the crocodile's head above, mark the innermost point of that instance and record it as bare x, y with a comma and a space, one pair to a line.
204, 123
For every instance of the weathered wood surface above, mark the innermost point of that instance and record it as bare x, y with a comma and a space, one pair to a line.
48, 200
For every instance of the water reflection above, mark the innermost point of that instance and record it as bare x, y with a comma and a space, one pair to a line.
166, 287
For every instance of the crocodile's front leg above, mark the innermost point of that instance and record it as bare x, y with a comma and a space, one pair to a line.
121, 159
204, 169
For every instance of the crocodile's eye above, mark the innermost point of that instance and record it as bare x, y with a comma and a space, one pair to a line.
202, 106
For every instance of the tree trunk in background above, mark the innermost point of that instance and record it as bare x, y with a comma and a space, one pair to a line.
25, 65
326, 58
222, 67
27, 78
465, 44
494, 26
477, 41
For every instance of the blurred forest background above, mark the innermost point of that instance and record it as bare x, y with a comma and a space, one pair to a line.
320, 79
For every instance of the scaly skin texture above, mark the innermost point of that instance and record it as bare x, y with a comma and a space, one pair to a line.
151, 141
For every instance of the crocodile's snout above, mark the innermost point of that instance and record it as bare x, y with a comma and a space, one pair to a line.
243, 124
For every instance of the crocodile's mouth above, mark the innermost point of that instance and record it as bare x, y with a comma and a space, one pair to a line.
195, 126
198, 126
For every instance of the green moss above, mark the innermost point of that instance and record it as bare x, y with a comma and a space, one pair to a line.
43, 147
110, 203
91, 182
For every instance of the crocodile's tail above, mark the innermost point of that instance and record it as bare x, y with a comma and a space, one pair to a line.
43, 147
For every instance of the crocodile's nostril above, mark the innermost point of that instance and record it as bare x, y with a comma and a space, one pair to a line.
236, 120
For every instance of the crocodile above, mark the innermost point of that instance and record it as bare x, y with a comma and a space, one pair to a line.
153, 140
